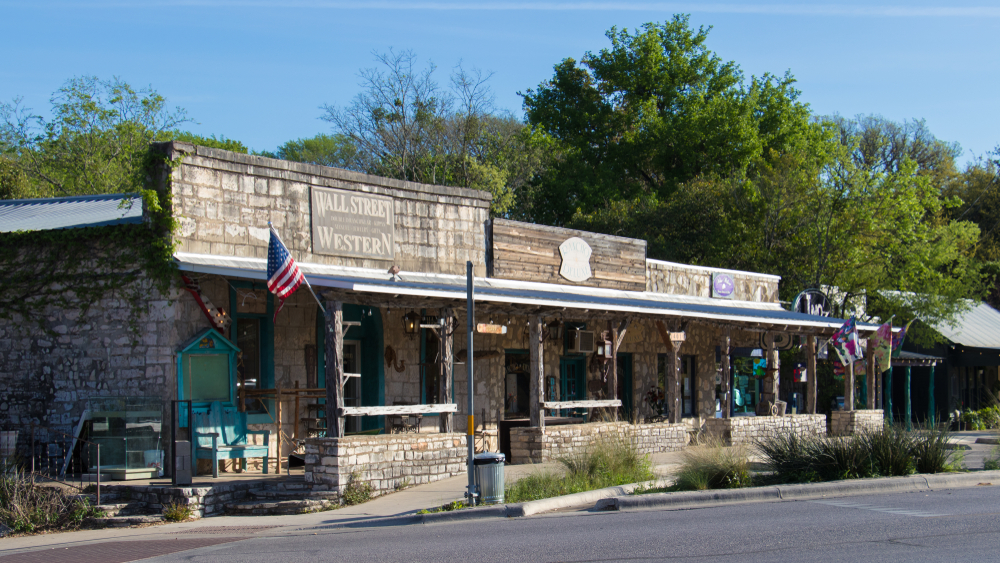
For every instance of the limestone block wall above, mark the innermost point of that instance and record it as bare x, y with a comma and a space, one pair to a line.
684, 279
744, 430
387, 462
532, 445
844, 423
223, 201
48, 379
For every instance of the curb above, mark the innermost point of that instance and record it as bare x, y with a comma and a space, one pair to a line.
699, 499
518, 510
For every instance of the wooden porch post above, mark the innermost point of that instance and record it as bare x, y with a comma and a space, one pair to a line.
613, 371
773, 366
334, 369
870, 373
446, 349
811, 384
909, 413
849, 387
536, 372
725, 372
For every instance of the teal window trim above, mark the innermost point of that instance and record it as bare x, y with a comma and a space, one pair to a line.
266, 342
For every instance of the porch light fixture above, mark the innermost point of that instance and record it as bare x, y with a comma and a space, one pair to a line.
411, 321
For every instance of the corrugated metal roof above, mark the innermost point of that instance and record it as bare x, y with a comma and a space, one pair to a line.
69, 212
977, 328
365, 280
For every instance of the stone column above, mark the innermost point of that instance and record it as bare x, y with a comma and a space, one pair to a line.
811, 375
536, 372
446, 354
725, 372
334, 369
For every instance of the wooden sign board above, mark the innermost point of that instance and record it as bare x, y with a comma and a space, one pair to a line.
538, 253
484, 328
677, 337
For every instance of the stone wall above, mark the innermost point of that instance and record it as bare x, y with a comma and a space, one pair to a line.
844, 423
744, 430
696, 281
224, 200
387, 462
531, 445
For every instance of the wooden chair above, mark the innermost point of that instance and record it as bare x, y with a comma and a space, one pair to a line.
487, 439
400, 423
221, 433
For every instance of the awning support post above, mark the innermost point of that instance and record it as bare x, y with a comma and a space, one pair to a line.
334, 314
811, 383
446, 354
536, 372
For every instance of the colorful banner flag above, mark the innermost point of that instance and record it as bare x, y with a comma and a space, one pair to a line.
845, 342
898, 338
883, 345
283, 274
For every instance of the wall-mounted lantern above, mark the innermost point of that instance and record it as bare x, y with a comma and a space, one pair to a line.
411, 322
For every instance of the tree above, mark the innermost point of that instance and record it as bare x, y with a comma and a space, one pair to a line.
96, 142
654, 110
325, 150
404, 125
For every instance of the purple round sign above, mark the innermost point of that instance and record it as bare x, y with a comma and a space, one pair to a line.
723, 285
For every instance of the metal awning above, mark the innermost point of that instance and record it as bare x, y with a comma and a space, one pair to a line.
374, 287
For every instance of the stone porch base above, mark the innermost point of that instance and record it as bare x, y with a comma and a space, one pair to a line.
743, 430
531, 445
844, 423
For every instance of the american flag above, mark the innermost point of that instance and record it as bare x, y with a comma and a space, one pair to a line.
283, 274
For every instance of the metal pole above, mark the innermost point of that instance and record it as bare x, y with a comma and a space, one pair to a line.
909, 422
470, 431
98, 474
173, 442
930, 399
888, 394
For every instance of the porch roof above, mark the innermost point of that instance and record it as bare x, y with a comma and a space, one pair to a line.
376, 287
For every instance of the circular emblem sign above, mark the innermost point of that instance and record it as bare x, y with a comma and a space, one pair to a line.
575, 259
723, 286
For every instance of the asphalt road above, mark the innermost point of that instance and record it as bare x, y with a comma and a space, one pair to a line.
954, 525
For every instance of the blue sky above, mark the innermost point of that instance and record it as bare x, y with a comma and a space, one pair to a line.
258, 70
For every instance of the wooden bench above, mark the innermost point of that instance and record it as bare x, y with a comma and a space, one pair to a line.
221, 433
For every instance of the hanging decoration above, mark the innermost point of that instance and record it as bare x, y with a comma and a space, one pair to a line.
216, 315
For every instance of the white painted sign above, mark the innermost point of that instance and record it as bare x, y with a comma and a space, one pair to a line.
575, 259
347, 223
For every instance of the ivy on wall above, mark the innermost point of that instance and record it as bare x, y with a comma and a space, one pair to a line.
75, 269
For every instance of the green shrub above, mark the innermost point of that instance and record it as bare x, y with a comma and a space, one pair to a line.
611, 461
790, 457
714, 466
357, 491
177, 512
27, 507
932, 454
890, 450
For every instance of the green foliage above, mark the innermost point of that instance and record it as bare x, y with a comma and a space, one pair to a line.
177, 512
611, 461
713, 466
27, 507
451, 506
890, 451
357, 491
325, 150
654, 110
212, 142
97, 141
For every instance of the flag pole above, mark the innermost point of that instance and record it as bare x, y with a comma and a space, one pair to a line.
304, 278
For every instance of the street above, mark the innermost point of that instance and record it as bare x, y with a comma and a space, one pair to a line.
954, 525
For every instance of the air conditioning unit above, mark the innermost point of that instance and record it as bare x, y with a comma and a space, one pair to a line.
581, 341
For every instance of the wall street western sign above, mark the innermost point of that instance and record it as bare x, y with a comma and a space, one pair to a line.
346, 223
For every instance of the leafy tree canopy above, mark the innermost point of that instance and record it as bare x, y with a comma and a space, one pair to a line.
656, 109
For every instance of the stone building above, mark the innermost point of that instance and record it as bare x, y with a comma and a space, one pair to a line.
575, 332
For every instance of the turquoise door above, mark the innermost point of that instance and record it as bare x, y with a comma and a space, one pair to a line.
572, 382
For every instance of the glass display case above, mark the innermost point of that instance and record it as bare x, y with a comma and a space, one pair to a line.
128, 430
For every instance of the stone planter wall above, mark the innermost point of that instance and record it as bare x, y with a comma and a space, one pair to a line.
844, 423
530, 445
745, 429
387, 462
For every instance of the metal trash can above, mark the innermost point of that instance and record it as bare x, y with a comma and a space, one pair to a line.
489, 477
